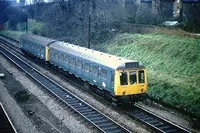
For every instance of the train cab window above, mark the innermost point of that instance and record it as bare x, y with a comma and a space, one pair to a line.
95, 70
133, 79
141, 76
123, 78
103, 73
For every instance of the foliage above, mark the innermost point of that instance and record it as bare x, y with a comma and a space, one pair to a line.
69, 20
3, 11
16, 15
33, 28
172, 64
191, 17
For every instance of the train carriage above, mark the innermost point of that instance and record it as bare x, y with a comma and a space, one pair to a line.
82, 63
121, 77
35, 45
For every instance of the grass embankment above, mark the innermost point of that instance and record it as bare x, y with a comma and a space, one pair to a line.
33, 27
13, 34
172, 62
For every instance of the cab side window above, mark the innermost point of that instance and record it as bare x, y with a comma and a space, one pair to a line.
123, 78
141, 76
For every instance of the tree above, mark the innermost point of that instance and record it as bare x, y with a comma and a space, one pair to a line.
3, 11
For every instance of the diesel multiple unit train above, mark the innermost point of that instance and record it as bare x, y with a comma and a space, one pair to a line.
122, 79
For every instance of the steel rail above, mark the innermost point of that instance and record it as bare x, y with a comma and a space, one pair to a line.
11, 39
15, 47
6, 125
89, 113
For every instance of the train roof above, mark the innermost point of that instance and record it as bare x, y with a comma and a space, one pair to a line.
38, 39
96, 56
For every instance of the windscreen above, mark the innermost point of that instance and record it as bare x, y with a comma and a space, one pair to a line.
133, 79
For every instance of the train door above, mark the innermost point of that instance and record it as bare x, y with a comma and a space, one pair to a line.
86, 71
103, 78
111, 82
79, 67
72, 64
95, 73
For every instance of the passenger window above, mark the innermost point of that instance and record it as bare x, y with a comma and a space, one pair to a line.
86, 66
133, 79
123, 78
141, 76
103, 73
56, 55
62, 57
72, 61
76, 62
65, 58
95, 70
79, 63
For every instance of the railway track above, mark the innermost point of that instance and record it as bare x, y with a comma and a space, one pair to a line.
155, 122
89, 113
6, 125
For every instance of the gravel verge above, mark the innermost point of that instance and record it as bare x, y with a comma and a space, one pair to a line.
64, 115
19, 119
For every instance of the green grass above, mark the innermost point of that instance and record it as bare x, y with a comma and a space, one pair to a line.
13, 34
172, 62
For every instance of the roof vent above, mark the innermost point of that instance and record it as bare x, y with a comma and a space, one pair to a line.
119, 58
